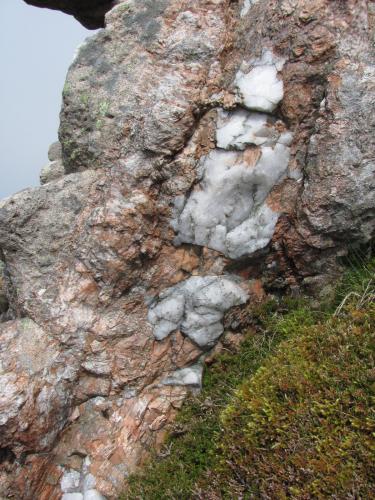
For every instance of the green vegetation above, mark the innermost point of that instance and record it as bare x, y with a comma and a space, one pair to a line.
288, 416
124, 7
84, 98
66, 89
103, 110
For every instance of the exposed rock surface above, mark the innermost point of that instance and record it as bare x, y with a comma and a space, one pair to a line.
3, 295
55, 167
88, 12
205, 143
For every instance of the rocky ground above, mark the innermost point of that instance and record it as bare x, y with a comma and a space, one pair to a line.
211, 151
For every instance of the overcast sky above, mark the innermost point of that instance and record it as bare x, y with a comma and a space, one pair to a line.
37, 47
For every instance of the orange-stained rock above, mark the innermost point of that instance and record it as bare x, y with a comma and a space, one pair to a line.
86, 389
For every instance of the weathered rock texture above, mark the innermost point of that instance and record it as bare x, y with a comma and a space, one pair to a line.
88, 12
206, 145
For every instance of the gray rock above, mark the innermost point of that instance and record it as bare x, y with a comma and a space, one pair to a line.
52, 171
3, 295
55, 151
133, 82
102, 301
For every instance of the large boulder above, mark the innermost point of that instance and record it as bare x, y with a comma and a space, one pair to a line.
205, 144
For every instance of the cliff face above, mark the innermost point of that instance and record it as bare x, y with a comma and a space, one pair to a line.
209, 148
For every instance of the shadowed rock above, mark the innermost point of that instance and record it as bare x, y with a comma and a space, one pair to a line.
90, 13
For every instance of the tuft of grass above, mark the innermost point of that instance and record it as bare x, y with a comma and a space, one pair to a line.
358, 284
288, 416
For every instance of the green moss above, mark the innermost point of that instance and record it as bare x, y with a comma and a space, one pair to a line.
288, 416
99, 124
102, 112
84, 98
124, 7
66, 89
103, 108
191, 446
301, 426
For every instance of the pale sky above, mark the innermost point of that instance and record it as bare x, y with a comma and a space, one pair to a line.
36, 47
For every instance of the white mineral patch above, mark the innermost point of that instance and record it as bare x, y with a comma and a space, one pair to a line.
238, 129
167, 315
80, 485
9, 393
88, 482
70, 481
196, 307
254, 233
92, 495
246, 6
227, 211
260, 89
72, 496
190, 376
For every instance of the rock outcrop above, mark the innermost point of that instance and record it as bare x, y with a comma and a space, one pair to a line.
207, 145
90, 13
55, 167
